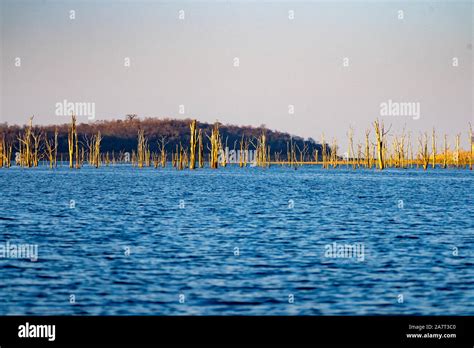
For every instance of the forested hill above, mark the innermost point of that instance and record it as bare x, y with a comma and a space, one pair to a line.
121, 135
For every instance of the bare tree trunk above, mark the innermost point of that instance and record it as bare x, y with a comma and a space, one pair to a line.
71, 133
193, 143
380, 134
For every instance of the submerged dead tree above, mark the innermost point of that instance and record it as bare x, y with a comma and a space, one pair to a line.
457, 154
192, 145
201, 150
325, 153
215, 144
25, 146
72, 132
261, 151
93, 146
334, 157
78, 161
424, 155
141, 148
51, 148
445, 156
380, 138
162, 150
6, 152
222, 152
291, 153
98, 139
244, 151
350, 150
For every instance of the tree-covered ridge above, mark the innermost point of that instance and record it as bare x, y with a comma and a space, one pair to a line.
121, 135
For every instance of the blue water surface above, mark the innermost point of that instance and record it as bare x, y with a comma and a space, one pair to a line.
233, 241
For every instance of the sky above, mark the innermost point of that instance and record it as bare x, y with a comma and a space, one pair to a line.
305, 68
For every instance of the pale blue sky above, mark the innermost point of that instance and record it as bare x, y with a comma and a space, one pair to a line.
282, 62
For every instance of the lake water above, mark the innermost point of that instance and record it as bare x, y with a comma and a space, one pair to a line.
234, 241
